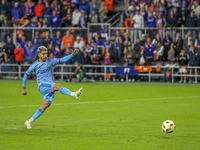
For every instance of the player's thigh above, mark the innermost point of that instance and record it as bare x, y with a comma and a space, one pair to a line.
46, 88
48, 97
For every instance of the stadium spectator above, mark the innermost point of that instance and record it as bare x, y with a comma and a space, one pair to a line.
98, 41
107, 61
192, 56
190, 45
160, 24
178, 43
57, 52
169, 8
84, 6
57, 40
186, 41
30, 53
103, 10
109, 4
143, 39
67, 19
171, 54
47, 11
151, 24
196, 9
93, 17
157, 39
117, 34
76, 15
22, 41
175, 3
50, 48
3, 10
144, 14
79, 44
129, 24
142, 57
39, 9
166, 43
16, 12
125, 14
53, 4
29, 8
84, 21
149, 47
11, 47
183, 13
182, 61
88, 50
172, 23
158, 52
137, 46
117, 51
80, 74
47, 39
80, 57
161, 9
126, 39
103, 28
197, 41
3, 53
191, 21
37, 36
96, 57
5, 32
55, 20
130, 56
108, 43
153, 9
138, 23
19, 53
68, 38
94, 6
35, 43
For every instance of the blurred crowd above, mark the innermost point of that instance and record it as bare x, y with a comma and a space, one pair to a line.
130, 47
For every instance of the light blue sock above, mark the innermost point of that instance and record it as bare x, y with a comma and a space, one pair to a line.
65, 91
38, 113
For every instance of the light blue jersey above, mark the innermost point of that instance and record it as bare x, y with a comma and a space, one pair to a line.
43, 70
44, 73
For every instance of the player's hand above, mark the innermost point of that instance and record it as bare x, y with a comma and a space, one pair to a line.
24, 91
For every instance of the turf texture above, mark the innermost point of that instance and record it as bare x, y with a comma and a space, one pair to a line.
109, 116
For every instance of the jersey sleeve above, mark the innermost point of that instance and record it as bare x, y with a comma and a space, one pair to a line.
30, 69
54, 62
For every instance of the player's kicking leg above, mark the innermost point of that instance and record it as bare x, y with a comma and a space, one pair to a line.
63, 90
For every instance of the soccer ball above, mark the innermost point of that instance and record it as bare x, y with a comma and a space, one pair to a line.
168, 126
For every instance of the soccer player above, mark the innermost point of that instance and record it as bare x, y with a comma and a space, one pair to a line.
43, 67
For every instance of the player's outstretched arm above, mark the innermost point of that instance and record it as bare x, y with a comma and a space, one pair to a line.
24, 84
67, 58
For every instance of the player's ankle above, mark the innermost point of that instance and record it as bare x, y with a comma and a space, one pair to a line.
73, 93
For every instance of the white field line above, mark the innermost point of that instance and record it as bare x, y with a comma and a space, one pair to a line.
114, 101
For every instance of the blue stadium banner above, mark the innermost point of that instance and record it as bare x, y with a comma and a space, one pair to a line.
123, 70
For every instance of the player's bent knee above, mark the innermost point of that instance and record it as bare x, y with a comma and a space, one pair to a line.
57, 87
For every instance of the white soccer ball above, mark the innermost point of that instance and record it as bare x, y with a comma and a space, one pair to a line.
168, 126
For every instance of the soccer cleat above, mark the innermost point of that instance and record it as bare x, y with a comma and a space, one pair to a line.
28, 124
78, 93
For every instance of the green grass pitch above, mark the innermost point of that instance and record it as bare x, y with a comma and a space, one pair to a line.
109, 116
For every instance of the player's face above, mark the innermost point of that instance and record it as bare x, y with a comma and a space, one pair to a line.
43, 55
